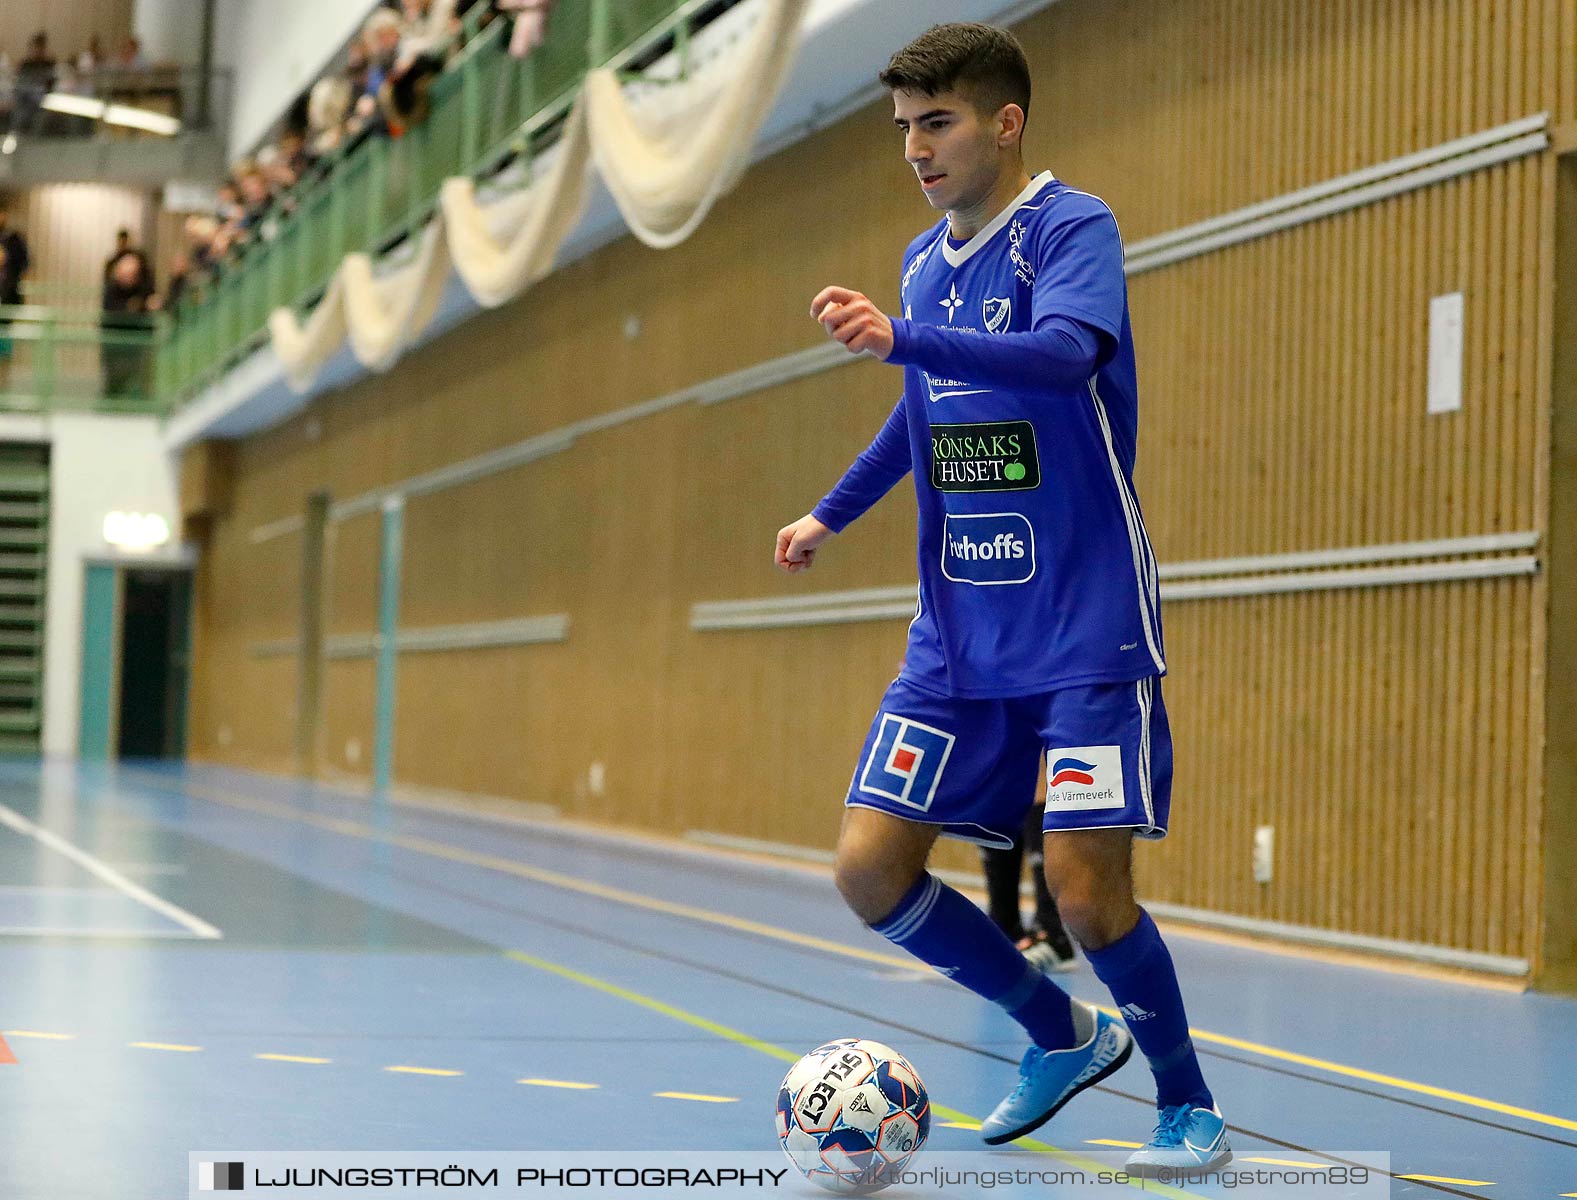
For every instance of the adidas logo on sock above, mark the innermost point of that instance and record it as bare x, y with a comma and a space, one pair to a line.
1132, 1012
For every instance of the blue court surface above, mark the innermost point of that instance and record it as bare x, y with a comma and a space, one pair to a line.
194, 958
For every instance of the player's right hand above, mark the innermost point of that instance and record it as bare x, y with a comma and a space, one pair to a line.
797, 544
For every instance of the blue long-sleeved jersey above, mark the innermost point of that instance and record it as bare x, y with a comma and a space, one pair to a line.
1019, 419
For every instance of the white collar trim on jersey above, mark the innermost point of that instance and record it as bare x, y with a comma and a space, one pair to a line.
965, 252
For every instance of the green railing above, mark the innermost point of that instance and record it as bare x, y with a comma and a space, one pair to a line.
78, 358
485, 109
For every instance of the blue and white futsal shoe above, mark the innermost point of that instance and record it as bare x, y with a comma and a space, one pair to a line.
1048, 1079
1187, 1136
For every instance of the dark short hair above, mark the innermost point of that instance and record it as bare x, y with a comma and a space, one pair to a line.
982, 61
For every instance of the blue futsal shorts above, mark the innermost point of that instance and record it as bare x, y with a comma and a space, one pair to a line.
970, 766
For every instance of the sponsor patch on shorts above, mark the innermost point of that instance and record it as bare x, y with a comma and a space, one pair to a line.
906, 762
1079, 778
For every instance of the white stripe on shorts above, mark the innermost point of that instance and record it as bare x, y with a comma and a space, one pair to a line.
1145, 689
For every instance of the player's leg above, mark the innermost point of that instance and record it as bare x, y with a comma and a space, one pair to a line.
881, 873
1116, 784
1003, 867
1049, 947
934, 765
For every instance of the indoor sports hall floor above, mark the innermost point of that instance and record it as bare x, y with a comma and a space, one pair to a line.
419, 980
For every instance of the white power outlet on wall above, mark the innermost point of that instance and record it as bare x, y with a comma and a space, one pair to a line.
1264, 852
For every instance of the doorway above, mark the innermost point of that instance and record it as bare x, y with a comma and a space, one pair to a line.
153, 658
136, 650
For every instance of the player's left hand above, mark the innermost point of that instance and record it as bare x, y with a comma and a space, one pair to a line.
852, 319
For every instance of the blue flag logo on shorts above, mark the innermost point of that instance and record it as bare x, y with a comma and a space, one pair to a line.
1071, 770
905, 765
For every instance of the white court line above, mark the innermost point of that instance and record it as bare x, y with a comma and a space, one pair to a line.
197, 926
88, 931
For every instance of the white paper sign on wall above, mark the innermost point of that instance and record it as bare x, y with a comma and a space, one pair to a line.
1445, 353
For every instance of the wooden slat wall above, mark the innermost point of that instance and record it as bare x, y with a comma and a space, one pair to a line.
350, 597
70, 229
69, 24
1392, 736
242, 705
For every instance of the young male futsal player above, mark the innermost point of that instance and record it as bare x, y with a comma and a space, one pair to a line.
1038, 629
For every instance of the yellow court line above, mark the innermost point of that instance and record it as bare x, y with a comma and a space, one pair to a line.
1448, 1179
421, 1071
33, 1033
707, 916
291, 1058
560, 1083
1287, 1162
1409, 1085
165, 1046
740, 1038
697, 1096
973, 1126
1112, 1142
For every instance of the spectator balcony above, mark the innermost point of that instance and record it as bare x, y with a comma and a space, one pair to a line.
134, 126
78, 359
483, 110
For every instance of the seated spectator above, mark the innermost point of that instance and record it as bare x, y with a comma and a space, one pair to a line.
381, 35
123, 246
328, 108
357, 64
531, 24
175, 289
293, 155
256, 195
276, 170
91, 59
35, 77
17, 260
123, 355
7, 89
414, 15
200, 231
230, 207
131, 57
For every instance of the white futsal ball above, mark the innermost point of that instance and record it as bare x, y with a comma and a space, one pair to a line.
851, 1114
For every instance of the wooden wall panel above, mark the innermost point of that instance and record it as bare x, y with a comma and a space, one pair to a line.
71, 227
1174, 112
1393, 736
345, 740
243, 704
350, 575
1294, 369
1384, 734
69, 24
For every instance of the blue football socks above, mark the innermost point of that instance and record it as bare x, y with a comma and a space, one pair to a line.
940, 927
1137, 968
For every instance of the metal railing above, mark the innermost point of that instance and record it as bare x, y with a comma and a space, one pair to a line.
197, 98
485, 110
54, 359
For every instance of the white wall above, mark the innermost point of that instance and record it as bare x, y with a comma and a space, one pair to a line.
276, 50
98, 464
170, 30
